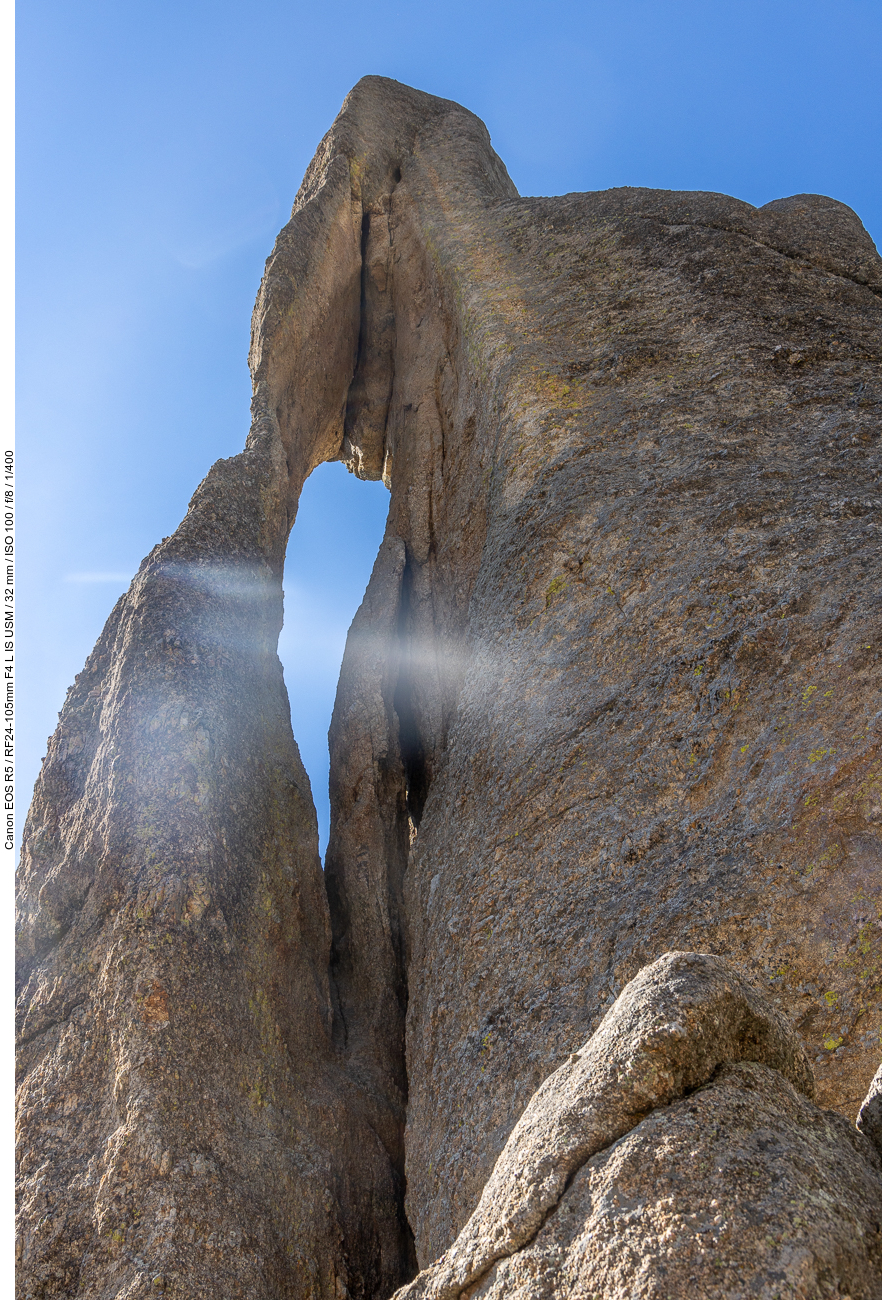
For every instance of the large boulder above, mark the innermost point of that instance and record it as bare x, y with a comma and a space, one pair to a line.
677, 1154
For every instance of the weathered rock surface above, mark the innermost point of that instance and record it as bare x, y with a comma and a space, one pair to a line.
183, 1116
667, 731
613, 692
656, 1162
742, 1189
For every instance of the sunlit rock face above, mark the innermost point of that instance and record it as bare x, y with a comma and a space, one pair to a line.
676, 1154
612, 692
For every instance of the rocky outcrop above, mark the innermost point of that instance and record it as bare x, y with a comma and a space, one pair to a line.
743, 1187
183, 1114
656, 1162
611, 694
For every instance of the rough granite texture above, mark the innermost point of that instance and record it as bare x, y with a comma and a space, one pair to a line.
655, 1163
612, 693
742, 1189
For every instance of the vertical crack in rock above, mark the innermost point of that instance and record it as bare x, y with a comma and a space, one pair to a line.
417, 768
367, 852
367, 405
399, 679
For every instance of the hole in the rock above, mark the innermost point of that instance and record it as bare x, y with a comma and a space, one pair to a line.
331, 551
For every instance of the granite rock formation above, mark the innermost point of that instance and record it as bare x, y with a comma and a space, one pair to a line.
612, 693
657, 1162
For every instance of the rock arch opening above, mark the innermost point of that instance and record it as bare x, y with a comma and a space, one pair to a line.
581, 631
331, 551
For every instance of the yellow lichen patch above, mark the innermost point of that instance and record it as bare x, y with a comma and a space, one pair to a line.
556, 585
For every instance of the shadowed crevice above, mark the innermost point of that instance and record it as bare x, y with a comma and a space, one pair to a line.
413, 752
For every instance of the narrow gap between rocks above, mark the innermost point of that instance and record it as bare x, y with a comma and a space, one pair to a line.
412, 753
331, 551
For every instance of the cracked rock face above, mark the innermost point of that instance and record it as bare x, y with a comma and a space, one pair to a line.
743, 1188
612, 693
674, 1155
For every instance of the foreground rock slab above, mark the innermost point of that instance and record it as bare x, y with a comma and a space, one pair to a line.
677, 1154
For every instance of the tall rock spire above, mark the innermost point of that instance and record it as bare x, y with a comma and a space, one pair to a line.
185, 1114
609, 695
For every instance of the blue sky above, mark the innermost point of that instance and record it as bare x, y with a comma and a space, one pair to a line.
160, 146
